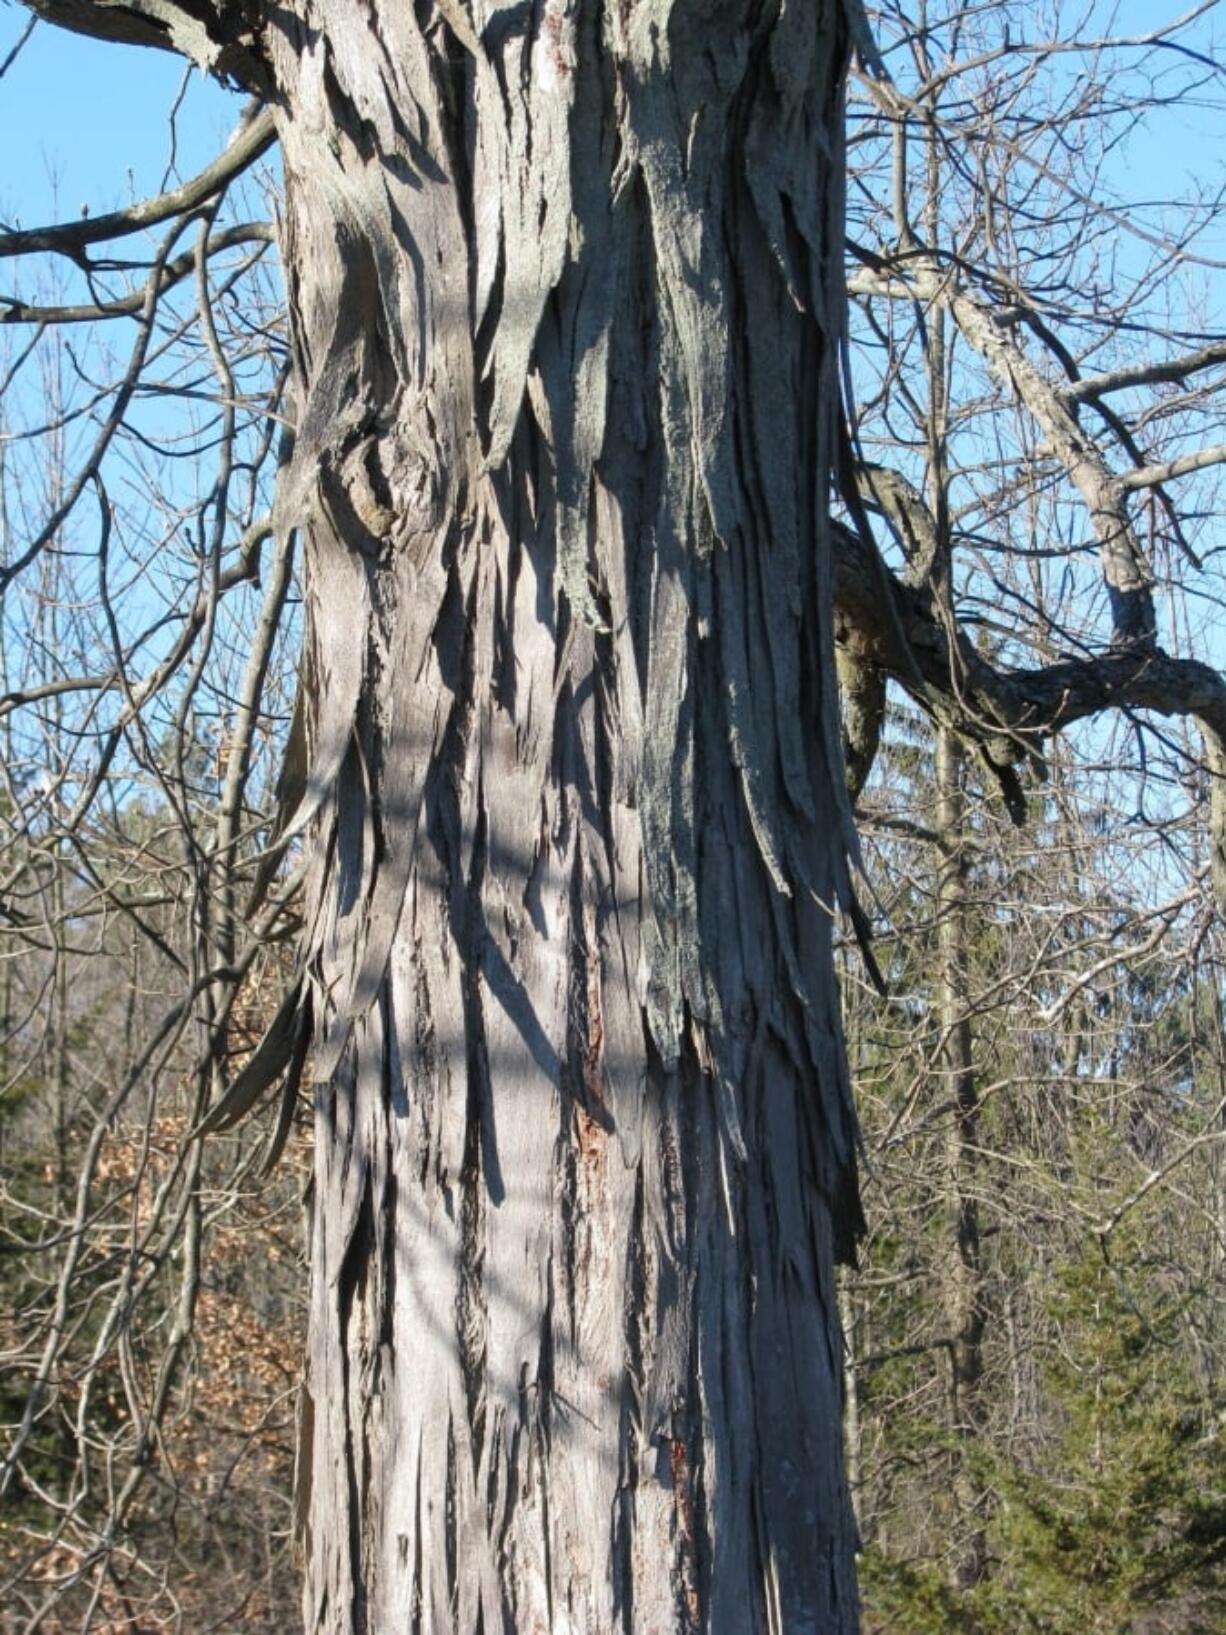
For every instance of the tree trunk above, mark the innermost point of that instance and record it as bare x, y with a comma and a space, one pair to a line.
566, 296
566, 300
565, 290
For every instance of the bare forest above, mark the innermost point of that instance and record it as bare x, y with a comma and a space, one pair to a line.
613, 828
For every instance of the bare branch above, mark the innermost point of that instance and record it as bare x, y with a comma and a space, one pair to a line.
1009, 714
252, 140
13, 311
1173, 370
16, 50
1151, 476
1125, 570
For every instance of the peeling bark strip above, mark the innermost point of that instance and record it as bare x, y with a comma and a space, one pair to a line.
565, 294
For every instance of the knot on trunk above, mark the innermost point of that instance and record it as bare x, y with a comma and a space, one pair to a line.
393, 487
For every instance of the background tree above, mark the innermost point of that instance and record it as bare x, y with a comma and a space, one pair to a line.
1028, 1456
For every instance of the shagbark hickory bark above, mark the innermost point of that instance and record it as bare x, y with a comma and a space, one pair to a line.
565, 292
565, 285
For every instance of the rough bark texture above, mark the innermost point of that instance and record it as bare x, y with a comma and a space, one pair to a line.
565, 290
566, 298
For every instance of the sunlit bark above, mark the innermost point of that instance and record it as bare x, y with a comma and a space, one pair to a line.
567, 297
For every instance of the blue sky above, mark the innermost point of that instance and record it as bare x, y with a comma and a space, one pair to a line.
82, 122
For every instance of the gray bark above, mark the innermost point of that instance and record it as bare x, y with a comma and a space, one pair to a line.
565, 297
565, 290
